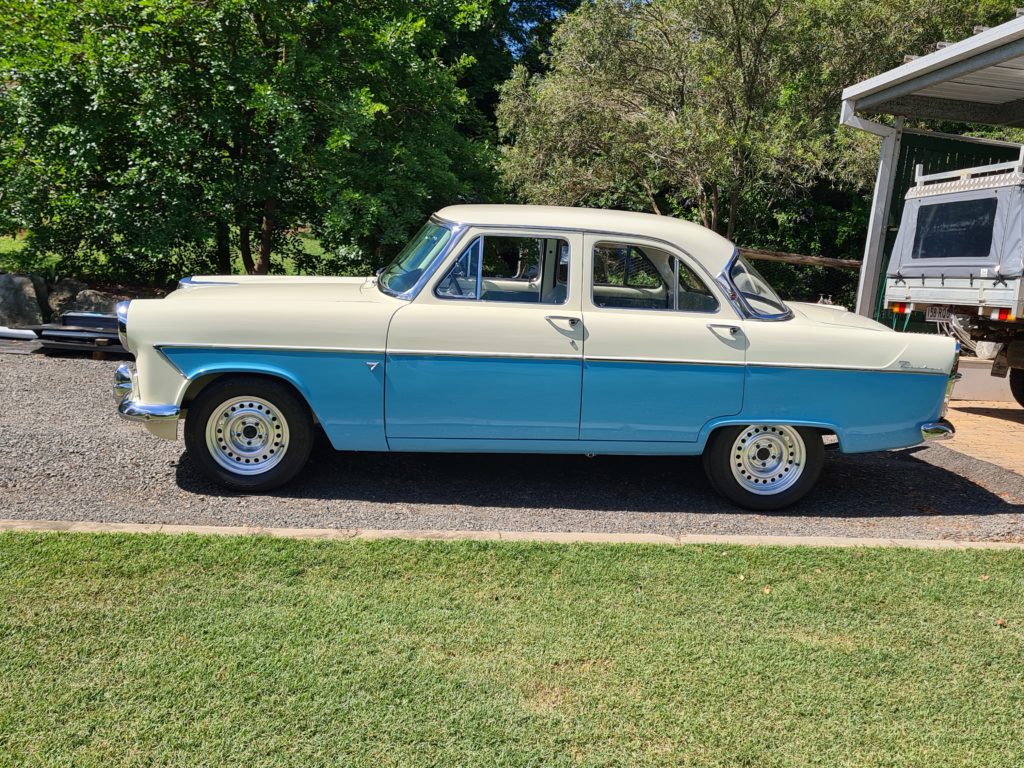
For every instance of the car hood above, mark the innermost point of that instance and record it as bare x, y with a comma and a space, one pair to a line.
274, 288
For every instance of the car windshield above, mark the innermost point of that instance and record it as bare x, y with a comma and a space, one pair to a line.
407, 268
754, 290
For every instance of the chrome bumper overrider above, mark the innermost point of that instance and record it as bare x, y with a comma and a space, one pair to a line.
937, 430
124, 384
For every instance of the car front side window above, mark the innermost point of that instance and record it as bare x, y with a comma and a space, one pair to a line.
504, 268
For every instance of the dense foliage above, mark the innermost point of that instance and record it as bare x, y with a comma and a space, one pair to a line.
725, 112
144, 139
151, 135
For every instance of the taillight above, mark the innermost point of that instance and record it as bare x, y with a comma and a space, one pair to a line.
901, 308
1003, 315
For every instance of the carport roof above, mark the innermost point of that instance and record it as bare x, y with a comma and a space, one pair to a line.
978, 80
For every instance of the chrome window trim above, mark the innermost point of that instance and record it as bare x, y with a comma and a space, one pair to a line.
735, 296
597, 232
458, 233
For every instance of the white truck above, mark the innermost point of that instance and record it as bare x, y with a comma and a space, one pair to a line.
959, 257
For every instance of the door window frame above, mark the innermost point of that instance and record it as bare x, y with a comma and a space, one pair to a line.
572, 237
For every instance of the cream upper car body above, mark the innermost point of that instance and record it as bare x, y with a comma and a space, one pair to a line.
531, 329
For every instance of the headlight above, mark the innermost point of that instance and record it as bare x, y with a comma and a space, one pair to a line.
122, 323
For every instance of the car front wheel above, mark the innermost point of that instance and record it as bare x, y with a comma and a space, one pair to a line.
249, 433
764, 467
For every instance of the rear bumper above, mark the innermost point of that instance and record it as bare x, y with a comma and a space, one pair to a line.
135, 410
937, 430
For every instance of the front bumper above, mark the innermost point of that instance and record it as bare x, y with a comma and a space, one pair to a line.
937, 430
135, 410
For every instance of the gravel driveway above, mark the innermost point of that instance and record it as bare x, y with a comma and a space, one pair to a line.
65, 455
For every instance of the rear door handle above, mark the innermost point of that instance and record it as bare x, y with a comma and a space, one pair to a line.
572, 321
732, 329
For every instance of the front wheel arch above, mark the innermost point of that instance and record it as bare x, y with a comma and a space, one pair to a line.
197, 385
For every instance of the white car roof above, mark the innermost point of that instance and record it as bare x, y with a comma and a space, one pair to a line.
711, 249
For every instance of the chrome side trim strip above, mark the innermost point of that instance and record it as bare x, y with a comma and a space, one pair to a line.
781, 366
269, 347
613, 359
492, 355
821, 367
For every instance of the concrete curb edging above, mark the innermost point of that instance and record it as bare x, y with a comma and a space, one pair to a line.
568, 537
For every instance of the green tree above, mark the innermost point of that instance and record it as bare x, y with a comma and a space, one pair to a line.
707, 108
139, 134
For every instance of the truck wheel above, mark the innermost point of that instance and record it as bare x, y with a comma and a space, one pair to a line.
1017, 385
764, 467
249, 433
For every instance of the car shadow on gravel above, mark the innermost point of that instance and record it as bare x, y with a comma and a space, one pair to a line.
912, 482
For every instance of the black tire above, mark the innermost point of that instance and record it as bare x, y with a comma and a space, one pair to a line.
1017, 385
719, 461
279, 407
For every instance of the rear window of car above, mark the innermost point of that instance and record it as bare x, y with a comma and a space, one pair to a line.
955, 230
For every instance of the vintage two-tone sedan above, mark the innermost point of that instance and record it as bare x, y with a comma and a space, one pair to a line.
527, 329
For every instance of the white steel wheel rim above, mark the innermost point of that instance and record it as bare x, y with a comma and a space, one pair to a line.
247, 435
768, 459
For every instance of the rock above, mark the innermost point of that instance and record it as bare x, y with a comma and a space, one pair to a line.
19, 304
92, 301
63, 294
42, 295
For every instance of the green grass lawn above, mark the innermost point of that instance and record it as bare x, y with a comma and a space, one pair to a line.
187, 651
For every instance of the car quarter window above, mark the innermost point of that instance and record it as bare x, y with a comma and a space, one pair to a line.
630, 277
529, 270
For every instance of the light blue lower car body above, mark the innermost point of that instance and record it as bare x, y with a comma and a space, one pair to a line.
376, 402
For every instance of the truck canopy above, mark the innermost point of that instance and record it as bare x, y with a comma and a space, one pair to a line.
971, 225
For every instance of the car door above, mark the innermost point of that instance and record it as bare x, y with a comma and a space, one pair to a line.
664, 350
492, 347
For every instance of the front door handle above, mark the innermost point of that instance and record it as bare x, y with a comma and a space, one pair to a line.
732, 329
572, 321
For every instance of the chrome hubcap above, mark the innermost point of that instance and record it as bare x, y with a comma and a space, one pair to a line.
768, 459
247, 436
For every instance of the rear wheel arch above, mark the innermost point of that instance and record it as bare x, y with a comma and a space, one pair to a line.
829, 434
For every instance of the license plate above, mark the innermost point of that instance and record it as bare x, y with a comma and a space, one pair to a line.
937, 314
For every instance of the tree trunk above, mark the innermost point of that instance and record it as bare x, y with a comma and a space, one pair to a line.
734, 207
245, 246
715, 216
223, 248
266, 237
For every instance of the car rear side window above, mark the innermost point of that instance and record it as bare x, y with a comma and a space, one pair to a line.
628, 277
955, 230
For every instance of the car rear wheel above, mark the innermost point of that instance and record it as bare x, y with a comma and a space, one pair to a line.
249, 433
1017, 384
764, 467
